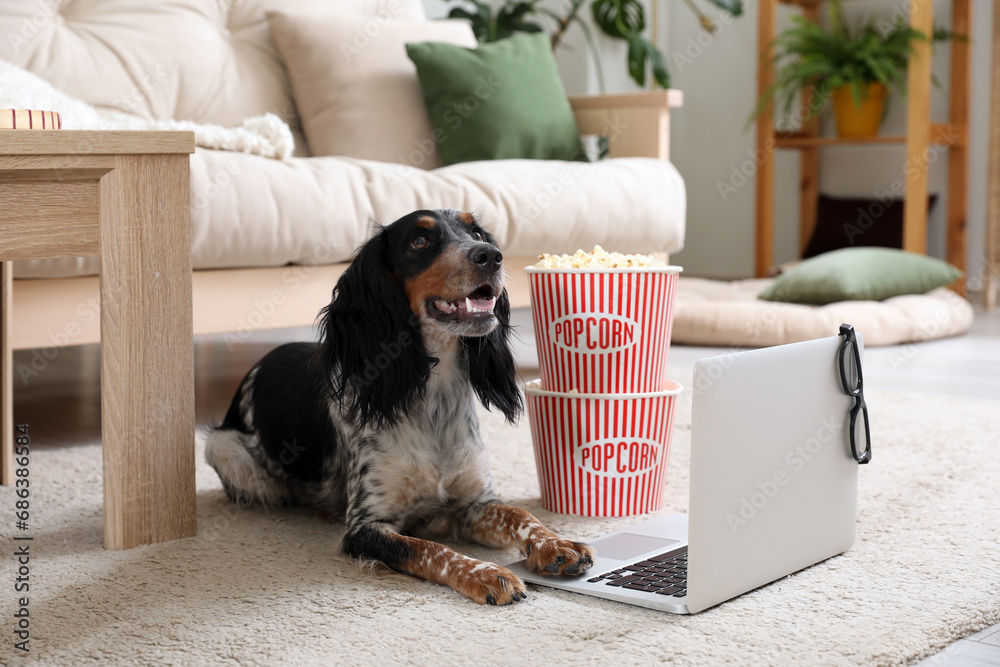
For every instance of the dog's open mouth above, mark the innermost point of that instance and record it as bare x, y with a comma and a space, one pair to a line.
478, 304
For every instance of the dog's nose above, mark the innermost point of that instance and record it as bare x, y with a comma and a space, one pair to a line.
486, 256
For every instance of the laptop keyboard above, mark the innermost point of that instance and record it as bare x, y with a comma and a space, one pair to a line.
665, 574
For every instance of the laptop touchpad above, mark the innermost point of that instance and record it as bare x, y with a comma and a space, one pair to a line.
625, 546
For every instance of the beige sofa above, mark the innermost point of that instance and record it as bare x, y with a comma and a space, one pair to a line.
270, 237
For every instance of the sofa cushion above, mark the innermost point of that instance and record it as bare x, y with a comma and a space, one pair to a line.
249, 211
501, 100
355, 89
203, 60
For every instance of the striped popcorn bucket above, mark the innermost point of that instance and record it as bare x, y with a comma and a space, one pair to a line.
29, 119
603, 330
601, 454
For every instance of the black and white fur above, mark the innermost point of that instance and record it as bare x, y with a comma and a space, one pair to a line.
376, 424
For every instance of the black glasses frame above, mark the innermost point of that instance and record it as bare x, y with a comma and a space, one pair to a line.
857, 393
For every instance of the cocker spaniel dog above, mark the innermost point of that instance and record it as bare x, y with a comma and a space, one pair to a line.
376, 424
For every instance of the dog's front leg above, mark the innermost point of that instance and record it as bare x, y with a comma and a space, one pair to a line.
497, 525
482, 582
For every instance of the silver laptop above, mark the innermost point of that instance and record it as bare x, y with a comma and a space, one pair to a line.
773, 484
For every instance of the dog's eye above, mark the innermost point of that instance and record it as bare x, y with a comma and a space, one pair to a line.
476, 236
419, 241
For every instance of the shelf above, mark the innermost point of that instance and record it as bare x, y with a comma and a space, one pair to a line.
798, 140
940, 134
803, 3
922, 141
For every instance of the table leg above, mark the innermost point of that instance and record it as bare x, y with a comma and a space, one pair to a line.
6, 377
147, 354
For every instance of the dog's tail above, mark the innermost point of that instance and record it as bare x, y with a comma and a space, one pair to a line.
233, 449
246, 481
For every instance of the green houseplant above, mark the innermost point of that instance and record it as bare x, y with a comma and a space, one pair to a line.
856, 68
618, 19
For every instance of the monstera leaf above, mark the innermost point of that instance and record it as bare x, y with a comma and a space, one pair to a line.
509, 19
626, 19
619, 18
639, 50
734, 7
481, 20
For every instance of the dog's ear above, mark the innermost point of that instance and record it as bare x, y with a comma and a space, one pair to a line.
371, 353
492, 370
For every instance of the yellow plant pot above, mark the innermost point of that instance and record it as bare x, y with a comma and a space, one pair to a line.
863, 121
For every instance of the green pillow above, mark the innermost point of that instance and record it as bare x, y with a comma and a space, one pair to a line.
501, 100
860, 274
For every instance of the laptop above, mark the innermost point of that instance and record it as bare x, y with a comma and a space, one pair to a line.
773, 486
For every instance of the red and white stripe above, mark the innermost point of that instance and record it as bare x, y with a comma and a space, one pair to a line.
640, 299
625, 431
29, 119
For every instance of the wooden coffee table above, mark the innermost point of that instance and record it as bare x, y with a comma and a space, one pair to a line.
124, 196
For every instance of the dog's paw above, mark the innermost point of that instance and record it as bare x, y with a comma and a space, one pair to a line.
493, 585
560, 557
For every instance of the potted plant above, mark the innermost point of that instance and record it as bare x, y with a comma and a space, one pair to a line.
856, 68
619, 19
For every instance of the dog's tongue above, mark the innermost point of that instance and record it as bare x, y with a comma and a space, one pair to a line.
469, 305
472, 304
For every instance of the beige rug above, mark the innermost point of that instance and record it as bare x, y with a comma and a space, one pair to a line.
258, 588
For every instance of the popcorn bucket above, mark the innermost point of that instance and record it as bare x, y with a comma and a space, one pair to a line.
601, 454
603, 330
29, 119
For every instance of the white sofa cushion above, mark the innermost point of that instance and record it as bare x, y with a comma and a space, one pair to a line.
250, 211
356, 91
209, 61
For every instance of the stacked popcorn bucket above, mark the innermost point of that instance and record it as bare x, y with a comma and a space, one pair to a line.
602, 412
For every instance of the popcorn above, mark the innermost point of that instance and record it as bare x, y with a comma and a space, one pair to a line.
598, 258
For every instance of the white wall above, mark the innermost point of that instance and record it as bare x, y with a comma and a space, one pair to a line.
436, 9
710, 146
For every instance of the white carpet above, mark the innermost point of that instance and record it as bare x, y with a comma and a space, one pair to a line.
271, 588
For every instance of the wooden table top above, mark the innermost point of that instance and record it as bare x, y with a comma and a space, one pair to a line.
94, 142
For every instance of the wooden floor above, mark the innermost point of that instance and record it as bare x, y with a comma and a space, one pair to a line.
62, 402
57, 392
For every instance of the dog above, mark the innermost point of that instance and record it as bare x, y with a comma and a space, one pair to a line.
376, 423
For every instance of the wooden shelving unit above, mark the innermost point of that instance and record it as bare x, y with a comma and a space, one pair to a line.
920, 136
991, 270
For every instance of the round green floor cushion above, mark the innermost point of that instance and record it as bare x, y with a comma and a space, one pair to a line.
713, 312
860, 274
